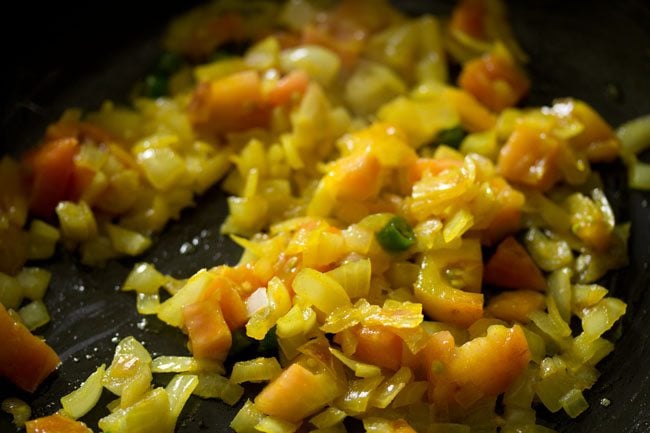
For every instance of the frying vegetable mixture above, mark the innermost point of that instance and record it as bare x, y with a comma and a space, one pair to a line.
419, 254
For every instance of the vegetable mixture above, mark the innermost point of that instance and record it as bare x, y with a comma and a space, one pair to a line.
418, 253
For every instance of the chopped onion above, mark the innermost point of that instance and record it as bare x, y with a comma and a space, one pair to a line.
80, 401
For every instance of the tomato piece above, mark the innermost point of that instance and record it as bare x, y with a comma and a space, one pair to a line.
508, 217
25, 360
51, 167
512, 267
379, 346
495, 80
516, 306
356, 177
295, 83
296, 394
431, 165
490, 364
530, 157
80, 179
233, 103
468, 17
232, 306
56, 423
210, 337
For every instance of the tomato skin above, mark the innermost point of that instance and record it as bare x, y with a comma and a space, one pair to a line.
25, 359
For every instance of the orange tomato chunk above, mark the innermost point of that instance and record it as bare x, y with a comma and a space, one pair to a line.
25, 360
56, 424
512, 267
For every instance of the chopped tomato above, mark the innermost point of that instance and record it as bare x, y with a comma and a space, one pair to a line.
234, 103
296, 394
431, 165
245, 279
356, 177
516, 306
51, 168
232, 306
530, 157
512, 267
210, 337
495, 80
508, 217
437, 352
468, 17
488, 365
81, 177
56, 423
379, 346
295, 83
25, 360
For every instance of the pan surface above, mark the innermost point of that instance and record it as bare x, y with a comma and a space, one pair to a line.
79, 54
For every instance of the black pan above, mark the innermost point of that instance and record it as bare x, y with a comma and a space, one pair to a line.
79, 53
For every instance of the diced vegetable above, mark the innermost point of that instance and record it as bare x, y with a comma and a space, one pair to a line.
18, 409
34, 315
80, 401
255, 370
494, 79
51, 169
24, 359
516, 306
320, 290
511, 267
379, 346
129, 375
296, 394
148, 414
233, 103
530, 157
56, 423
210, 337
396, 235
440, 300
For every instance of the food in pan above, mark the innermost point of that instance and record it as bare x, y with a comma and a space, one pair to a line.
420, 253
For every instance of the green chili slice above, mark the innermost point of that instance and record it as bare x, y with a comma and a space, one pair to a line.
396, 235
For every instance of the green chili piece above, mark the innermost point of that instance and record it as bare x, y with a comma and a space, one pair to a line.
396, 235
451, 137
